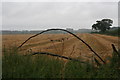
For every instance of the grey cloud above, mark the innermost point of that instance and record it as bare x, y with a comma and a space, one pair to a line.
0, 15
25, 15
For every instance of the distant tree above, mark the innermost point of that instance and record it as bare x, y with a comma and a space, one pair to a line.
103, 25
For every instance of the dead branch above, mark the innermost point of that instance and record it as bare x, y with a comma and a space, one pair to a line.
69, 33
56, 55
115, 50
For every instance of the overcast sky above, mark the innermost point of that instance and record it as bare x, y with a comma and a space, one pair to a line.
44, 15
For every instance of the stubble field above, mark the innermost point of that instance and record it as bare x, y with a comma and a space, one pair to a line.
64, 44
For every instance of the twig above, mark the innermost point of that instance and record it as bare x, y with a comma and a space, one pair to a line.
54, 45
72, 50
114, 49
56, 55
62, 45
69, 33
97, 62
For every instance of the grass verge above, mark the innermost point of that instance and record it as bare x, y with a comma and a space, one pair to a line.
15, 65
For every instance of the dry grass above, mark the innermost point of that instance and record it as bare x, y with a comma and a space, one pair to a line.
70, 46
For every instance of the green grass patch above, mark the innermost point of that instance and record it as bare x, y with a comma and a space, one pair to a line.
15, 65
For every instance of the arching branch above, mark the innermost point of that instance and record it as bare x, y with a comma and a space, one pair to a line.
67, 32
56, 55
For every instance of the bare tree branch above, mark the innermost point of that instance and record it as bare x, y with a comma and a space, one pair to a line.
69, 33
114, 49
51, 54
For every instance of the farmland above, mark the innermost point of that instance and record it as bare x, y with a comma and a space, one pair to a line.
69, 46
61, 44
